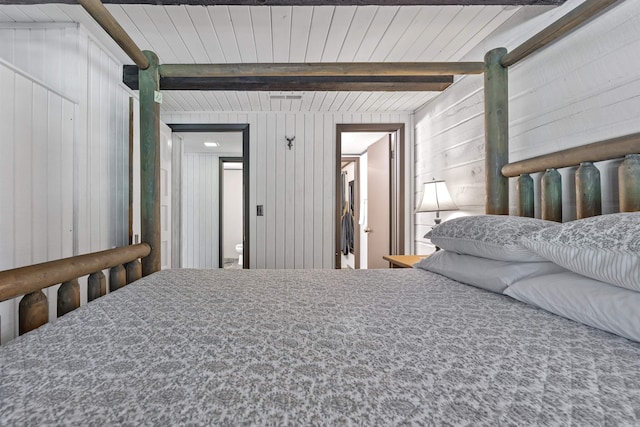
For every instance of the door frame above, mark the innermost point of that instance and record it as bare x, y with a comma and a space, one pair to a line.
399, 160
216, 127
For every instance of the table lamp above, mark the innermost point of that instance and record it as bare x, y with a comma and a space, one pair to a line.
436, 198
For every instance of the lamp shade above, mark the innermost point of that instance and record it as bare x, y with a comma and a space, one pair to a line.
435, 198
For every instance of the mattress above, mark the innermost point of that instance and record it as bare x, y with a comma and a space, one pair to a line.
321, 347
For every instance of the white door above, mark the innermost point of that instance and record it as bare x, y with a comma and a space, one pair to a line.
379, 202
165, 195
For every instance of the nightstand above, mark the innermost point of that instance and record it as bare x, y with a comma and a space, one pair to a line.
403, 261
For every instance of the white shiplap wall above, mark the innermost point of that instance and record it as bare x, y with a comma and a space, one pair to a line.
581, 89
450, 145
64, 121
44, 52
36, 195
295, 186
200, 209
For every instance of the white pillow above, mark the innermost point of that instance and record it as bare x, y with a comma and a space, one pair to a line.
606, 247
484, 273
489, 236
598, 304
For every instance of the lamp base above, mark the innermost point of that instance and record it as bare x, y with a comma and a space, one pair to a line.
437, 221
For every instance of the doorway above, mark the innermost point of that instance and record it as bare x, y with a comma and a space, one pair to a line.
230, 245
378, 222
201, 240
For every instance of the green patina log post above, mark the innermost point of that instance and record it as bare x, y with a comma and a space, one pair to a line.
588, 191
496, 132
524, 190
551, 195
150, 163
629, 183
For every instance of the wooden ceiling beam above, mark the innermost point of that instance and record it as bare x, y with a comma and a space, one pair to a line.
370, 83
323, 69
431, 84
311, 2
351, 76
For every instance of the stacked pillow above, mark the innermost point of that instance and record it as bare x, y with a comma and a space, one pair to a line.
602, 288
486, 251
586, 270
605, 248
576, 297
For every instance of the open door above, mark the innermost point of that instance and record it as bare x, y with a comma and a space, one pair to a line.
379, 203
165, 195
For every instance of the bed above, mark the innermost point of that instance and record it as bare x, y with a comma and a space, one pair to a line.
322, 347
483, 333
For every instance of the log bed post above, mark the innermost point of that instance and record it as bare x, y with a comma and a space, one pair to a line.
133, 271
33, 312
150, 162
68, 297
117, 277
588, 191
629, 183
551, 195
525, 193
496, 132
96, 285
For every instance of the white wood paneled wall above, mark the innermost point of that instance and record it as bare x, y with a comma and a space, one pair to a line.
37, 174
200, 209
45, 52
36, 196
450, 146
64, 120
295, 186
581, 89
102, 147
67, 61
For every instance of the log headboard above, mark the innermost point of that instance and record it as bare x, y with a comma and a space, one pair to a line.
587, 178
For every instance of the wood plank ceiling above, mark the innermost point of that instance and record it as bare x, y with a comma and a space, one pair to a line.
272, 34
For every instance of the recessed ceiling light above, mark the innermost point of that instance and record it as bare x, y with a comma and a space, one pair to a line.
211, 144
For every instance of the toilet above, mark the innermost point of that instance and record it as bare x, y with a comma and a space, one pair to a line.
239, 251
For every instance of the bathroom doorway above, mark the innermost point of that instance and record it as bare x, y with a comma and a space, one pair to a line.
231, 217
203, 145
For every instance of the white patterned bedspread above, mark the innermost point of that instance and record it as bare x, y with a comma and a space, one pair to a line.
322, 347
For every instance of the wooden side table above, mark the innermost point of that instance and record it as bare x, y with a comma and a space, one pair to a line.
403, 261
